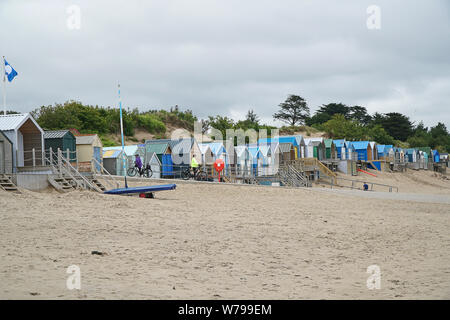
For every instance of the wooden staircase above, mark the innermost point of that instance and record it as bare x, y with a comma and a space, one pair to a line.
68, 177
292, 177
310, 164
7, 185
60, 183
98, 184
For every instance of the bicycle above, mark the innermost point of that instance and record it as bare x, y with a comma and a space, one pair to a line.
198, 175
146, 172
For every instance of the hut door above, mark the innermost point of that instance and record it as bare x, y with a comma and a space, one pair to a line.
315, 152
2, 158
97, 157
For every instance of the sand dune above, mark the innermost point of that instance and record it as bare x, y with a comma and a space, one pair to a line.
222, 242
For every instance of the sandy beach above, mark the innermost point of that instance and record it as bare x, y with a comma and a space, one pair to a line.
209, 241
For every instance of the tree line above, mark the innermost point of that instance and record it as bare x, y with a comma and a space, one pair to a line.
355, 123
336, 119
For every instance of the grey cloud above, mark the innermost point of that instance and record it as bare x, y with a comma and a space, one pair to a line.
223, 57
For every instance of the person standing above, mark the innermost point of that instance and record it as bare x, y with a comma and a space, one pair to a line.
194, 164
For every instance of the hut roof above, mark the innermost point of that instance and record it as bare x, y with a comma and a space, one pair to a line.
289, 139
14, 121
339, 143
154, 157
158, 147
111, 153
56, 134
360, 144
285, 147
381, 148
86, 138
328, 143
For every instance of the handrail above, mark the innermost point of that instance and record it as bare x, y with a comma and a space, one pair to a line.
93, 186
103, 168
67, 172
371, 183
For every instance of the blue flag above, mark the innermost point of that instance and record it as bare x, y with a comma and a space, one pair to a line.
9, 71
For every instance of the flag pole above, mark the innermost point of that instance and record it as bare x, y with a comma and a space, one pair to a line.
4, 86
121, 133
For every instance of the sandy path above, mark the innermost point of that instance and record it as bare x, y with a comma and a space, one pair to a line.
218, 241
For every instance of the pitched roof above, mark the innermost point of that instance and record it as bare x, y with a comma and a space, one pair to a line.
111, 153
339, 143
86, 138
153, 156
288, 139
129, 150
298, 138
285, 147
13, 121
183, 145
328, 143
157, 147
360, 144
55, 134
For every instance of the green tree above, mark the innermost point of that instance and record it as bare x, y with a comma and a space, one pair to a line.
378, 134
360, 114
221, 123
396, 125
339, 128
293, 111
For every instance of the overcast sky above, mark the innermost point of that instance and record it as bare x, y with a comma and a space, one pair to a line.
227, 56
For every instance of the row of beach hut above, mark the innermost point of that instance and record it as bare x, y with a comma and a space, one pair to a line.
24, 143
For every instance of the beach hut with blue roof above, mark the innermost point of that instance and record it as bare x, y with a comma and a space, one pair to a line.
341, 148
436, 156
363, 150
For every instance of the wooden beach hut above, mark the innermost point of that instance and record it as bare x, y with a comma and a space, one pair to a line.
412, 155
341, 149
6, 154
63, 140
330, 149
286, 151
207, 155
155, 165
363, 150
163, 151
26, 135
113, 161
297, 141
315, 148
436, 156
89, 146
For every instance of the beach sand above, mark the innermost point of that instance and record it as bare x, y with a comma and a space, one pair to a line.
210, 241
